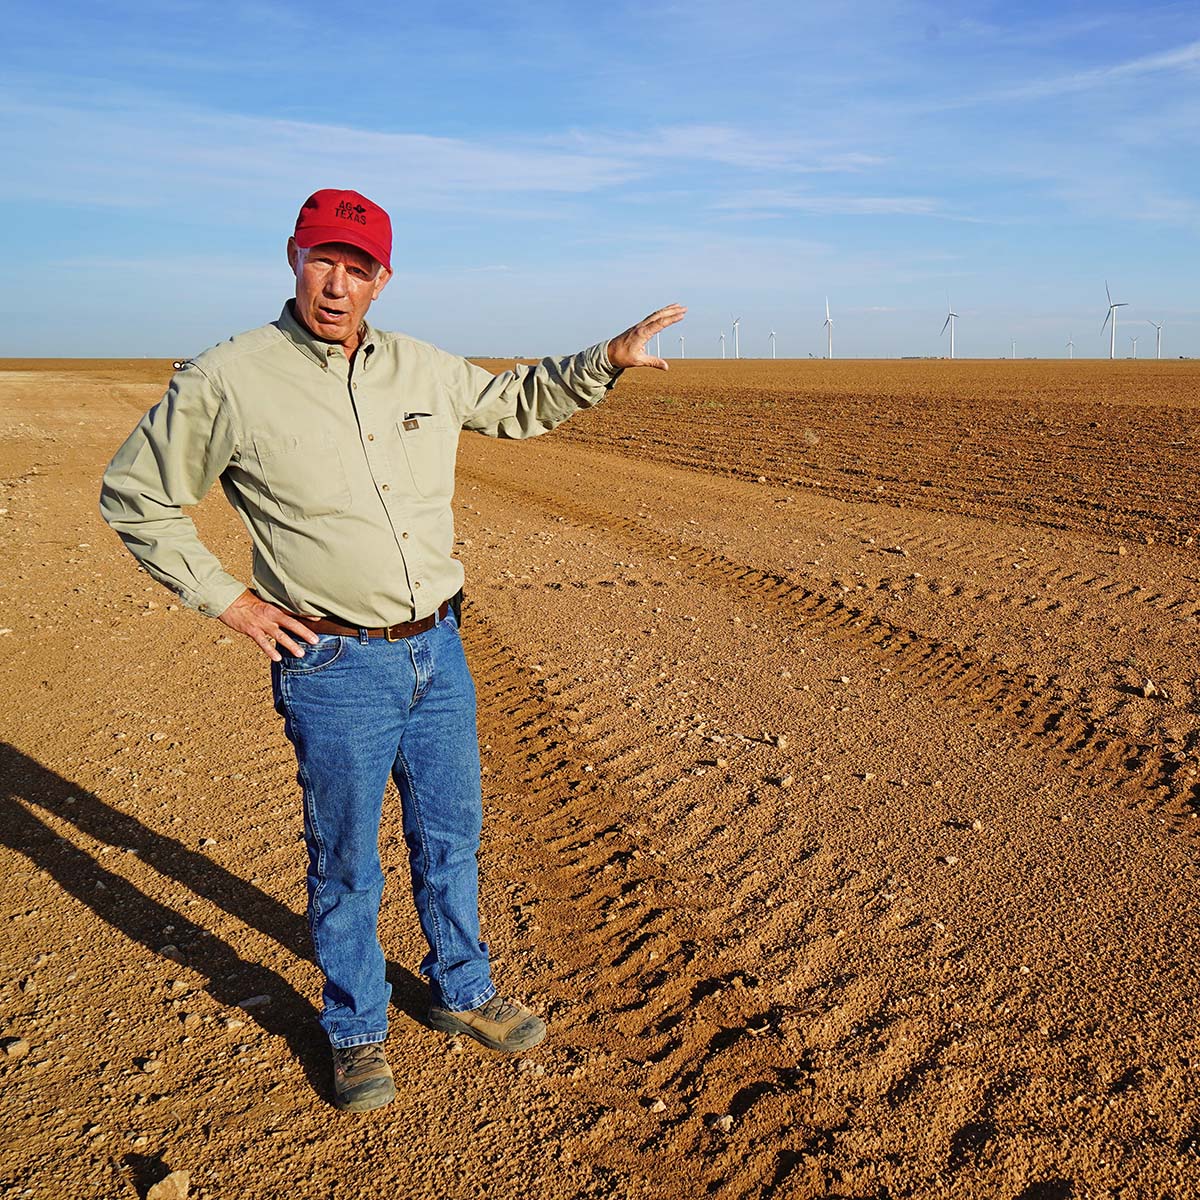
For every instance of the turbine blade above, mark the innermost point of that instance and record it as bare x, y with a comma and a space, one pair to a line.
1107, 292
1106, 316
944, 326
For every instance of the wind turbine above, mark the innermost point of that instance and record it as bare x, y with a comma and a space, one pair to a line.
1112, 314
722, 343
1070, 348
681, 353
772, 343
829, 330
658, 344
1134, 341
736, 322
1157, 338
951, 317
1014, 349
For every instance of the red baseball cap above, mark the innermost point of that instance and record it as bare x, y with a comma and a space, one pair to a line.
333, 215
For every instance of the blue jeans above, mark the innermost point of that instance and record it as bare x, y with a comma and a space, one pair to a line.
356, 709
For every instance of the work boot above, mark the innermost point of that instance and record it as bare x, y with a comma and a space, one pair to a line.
362, 1079
503, 1025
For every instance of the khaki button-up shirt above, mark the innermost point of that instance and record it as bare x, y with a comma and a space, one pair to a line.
342, 472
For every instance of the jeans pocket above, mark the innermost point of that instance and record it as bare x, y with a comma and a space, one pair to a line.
316, 658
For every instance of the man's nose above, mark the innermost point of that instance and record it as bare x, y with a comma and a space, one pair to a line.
337, 281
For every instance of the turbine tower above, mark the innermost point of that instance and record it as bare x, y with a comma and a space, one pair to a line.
681, 353
828, 331
772, 343
722, 343
1070, 348
658, 344
1134, 341
951, 317
1014, 349
736, 322
1112, 315
1157, 338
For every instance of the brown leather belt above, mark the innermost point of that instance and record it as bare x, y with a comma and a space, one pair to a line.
393, 633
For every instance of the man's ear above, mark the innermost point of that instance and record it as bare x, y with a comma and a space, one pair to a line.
381, 281
293, 253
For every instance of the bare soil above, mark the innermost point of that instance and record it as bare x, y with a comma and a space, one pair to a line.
841, 727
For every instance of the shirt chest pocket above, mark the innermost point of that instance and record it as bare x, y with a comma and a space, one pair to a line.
428, 448
304, 474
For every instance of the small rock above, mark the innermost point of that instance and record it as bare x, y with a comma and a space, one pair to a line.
232, 1024
174, 1187
867, 776
223, 641
190, 1021
977, 825
657, 1106
254, 1002
171, 951
207, 841
1121, 550
1150, 689
150, 1065
723, 1123
177, 987
786, 781
951, 860
14, 1047
844, 679
781, 741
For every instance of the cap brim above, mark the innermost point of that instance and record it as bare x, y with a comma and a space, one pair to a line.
324, 235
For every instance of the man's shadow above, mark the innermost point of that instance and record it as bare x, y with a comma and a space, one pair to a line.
28, 791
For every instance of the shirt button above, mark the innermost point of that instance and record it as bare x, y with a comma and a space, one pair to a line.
404, 534
417, 583
385, 488
370, 437
354, 385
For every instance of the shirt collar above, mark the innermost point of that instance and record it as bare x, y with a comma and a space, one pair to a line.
312, 347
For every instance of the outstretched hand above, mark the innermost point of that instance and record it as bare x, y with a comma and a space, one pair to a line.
267, 626
628, 349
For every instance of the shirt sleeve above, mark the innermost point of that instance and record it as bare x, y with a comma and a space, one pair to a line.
176, 453
528, 401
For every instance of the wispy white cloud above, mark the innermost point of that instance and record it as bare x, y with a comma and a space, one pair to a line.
1185, 58
725, 144
769, 201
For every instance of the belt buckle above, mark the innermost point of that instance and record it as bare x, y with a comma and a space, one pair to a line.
387, 634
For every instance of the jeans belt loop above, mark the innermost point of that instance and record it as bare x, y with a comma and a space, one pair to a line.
363, 638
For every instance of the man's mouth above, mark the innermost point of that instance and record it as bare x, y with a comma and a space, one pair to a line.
330, 314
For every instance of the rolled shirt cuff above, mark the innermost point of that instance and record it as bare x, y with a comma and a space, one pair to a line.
215, 596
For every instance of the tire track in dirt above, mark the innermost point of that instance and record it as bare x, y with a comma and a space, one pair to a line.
1047, 718
647, 976
801, 1076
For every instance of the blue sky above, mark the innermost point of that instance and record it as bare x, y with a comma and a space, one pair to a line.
554, 172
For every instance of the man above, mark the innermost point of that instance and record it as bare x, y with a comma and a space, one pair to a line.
335, 442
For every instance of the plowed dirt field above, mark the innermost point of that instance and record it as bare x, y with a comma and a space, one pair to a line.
841, 728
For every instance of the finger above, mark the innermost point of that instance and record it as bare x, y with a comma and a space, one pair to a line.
266, 645
664, 317
282, 639
294, 626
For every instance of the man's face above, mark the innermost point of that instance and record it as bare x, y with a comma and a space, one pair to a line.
335, 285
